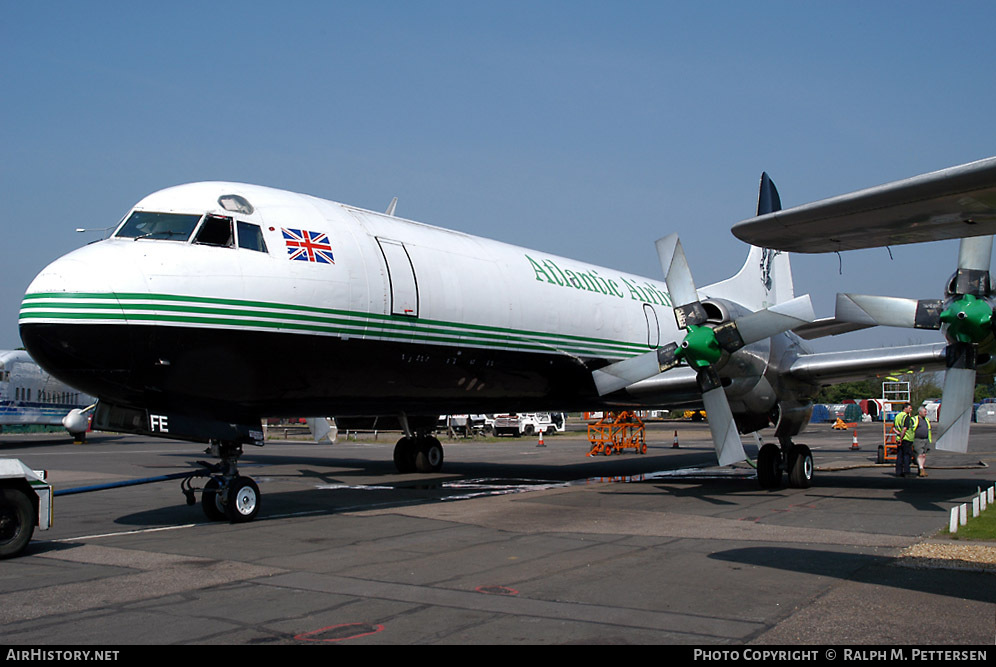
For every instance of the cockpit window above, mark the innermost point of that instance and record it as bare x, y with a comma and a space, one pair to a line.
216, 231
251, 237
151, 225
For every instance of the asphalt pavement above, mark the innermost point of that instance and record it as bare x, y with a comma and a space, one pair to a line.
512, 543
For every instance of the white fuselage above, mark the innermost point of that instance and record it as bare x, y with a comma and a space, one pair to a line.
344, 311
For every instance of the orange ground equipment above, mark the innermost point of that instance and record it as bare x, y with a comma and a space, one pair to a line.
614, 433
887, 450
842, 425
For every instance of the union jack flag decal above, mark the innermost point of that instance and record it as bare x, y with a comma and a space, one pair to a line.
305, 246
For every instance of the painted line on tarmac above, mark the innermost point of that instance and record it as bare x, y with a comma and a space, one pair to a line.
125, 532
141, 531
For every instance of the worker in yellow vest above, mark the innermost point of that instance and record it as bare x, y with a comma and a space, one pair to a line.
904, 434
922, 438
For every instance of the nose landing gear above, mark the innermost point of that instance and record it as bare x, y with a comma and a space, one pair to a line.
226, 494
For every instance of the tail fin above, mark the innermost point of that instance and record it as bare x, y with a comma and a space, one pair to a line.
766, 277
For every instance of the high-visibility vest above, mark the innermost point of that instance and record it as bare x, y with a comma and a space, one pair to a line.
903, 418
916, 422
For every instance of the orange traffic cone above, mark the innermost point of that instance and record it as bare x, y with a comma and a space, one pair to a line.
674, 445
854, 441
540, 443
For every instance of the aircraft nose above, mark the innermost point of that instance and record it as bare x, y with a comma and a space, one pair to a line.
70, 322
67, 275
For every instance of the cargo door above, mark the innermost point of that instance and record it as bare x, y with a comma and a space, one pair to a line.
653, 327
401, 275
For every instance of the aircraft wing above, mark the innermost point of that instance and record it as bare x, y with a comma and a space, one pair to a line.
852, 365
951, 203
677, 387
827, 326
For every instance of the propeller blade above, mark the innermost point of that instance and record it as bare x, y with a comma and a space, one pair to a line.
956, 410
776, 319
889, 311
957, 398
624, 373
725, 437
677, 275
975, 253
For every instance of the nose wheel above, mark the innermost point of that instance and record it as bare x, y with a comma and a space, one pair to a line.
226, 495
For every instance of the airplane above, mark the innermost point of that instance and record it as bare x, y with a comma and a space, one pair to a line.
30, 396
214, 304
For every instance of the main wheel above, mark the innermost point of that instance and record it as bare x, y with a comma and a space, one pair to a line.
404, 455
769, 466
211, 501
17, 523
800, 467
429, 457
243, 500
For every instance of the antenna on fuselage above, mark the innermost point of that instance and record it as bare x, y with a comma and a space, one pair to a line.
391, 207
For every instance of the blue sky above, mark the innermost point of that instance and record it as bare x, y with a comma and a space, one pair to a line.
585, 129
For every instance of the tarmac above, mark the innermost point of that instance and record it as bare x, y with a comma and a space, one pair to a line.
512, 543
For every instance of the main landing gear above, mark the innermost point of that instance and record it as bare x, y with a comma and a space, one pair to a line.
418, 453
796, 460
226, 495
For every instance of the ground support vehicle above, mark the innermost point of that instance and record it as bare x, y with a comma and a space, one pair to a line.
25, 502
528, 423
613, 434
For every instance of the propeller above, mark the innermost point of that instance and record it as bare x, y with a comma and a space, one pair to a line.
966, 314
703, 346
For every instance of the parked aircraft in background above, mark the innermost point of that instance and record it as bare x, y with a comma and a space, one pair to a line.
215, 304
29, 396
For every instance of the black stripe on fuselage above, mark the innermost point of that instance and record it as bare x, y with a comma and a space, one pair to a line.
246, 374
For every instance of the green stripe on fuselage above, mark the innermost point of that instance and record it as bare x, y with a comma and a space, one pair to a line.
176, 309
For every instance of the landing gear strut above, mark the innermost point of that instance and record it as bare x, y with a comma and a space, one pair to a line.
418, 453
226, 495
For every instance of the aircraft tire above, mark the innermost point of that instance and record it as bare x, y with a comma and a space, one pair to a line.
429, 457
404, 455
17, 523
800, 467
769, 466
243, 500
211, 503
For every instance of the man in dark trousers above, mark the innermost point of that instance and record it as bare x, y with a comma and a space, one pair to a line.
903, 426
